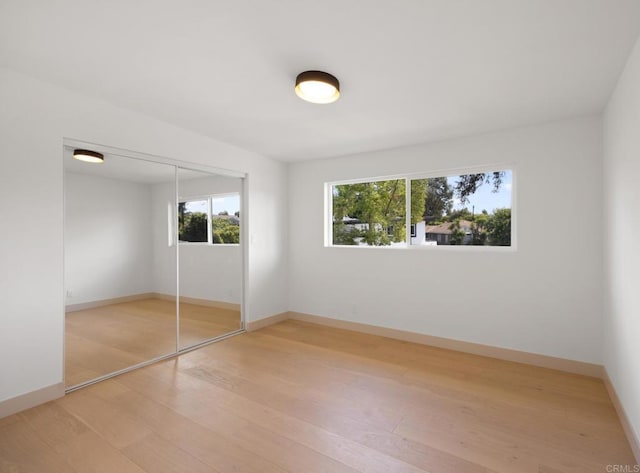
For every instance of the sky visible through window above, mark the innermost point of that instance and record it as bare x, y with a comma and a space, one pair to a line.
228, 203
484, 198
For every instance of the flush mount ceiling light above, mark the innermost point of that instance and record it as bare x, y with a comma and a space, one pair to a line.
88, 156
317, 87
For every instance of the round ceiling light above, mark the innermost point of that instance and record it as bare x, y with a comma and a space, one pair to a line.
88, 156
317, 87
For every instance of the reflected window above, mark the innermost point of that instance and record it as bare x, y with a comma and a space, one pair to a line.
225, 219
214, 219
192, 221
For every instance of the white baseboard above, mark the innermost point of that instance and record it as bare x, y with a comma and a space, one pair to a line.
633, 439
274, 319
31, 399
544, 361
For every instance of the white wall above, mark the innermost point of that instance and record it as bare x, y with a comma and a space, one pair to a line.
622, 253
34, 118
212, 272
108, 243
545, 297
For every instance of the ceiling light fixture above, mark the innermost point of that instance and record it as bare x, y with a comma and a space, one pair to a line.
88, 156
317, 87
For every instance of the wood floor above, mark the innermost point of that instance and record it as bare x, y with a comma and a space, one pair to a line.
297, 397
109, 338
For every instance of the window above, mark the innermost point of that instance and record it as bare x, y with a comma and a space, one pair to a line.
458, 209
213, 219
369, 213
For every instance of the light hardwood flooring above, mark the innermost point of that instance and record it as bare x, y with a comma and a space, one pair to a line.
297, 397
106, 339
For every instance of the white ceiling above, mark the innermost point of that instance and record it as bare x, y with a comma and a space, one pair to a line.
411, 71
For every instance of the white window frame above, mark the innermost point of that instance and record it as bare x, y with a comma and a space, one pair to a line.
328, 208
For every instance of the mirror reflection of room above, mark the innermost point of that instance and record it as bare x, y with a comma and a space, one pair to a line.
210, 269
124, 235
112, 253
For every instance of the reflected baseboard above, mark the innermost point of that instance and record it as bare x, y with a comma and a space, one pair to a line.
105, 302
196, 301
151, 295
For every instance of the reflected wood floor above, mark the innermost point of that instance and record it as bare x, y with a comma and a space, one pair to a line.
106, 339
297, 397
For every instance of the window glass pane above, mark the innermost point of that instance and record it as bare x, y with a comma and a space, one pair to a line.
468, 209
369, 213
225, 219
192, 220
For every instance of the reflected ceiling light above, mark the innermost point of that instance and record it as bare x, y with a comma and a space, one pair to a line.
88, 156
317, 87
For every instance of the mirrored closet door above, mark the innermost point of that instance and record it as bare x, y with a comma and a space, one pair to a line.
153, 262
210, 256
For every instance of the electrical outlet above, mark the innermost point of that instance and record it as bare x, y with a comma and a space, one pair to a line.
69, 294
